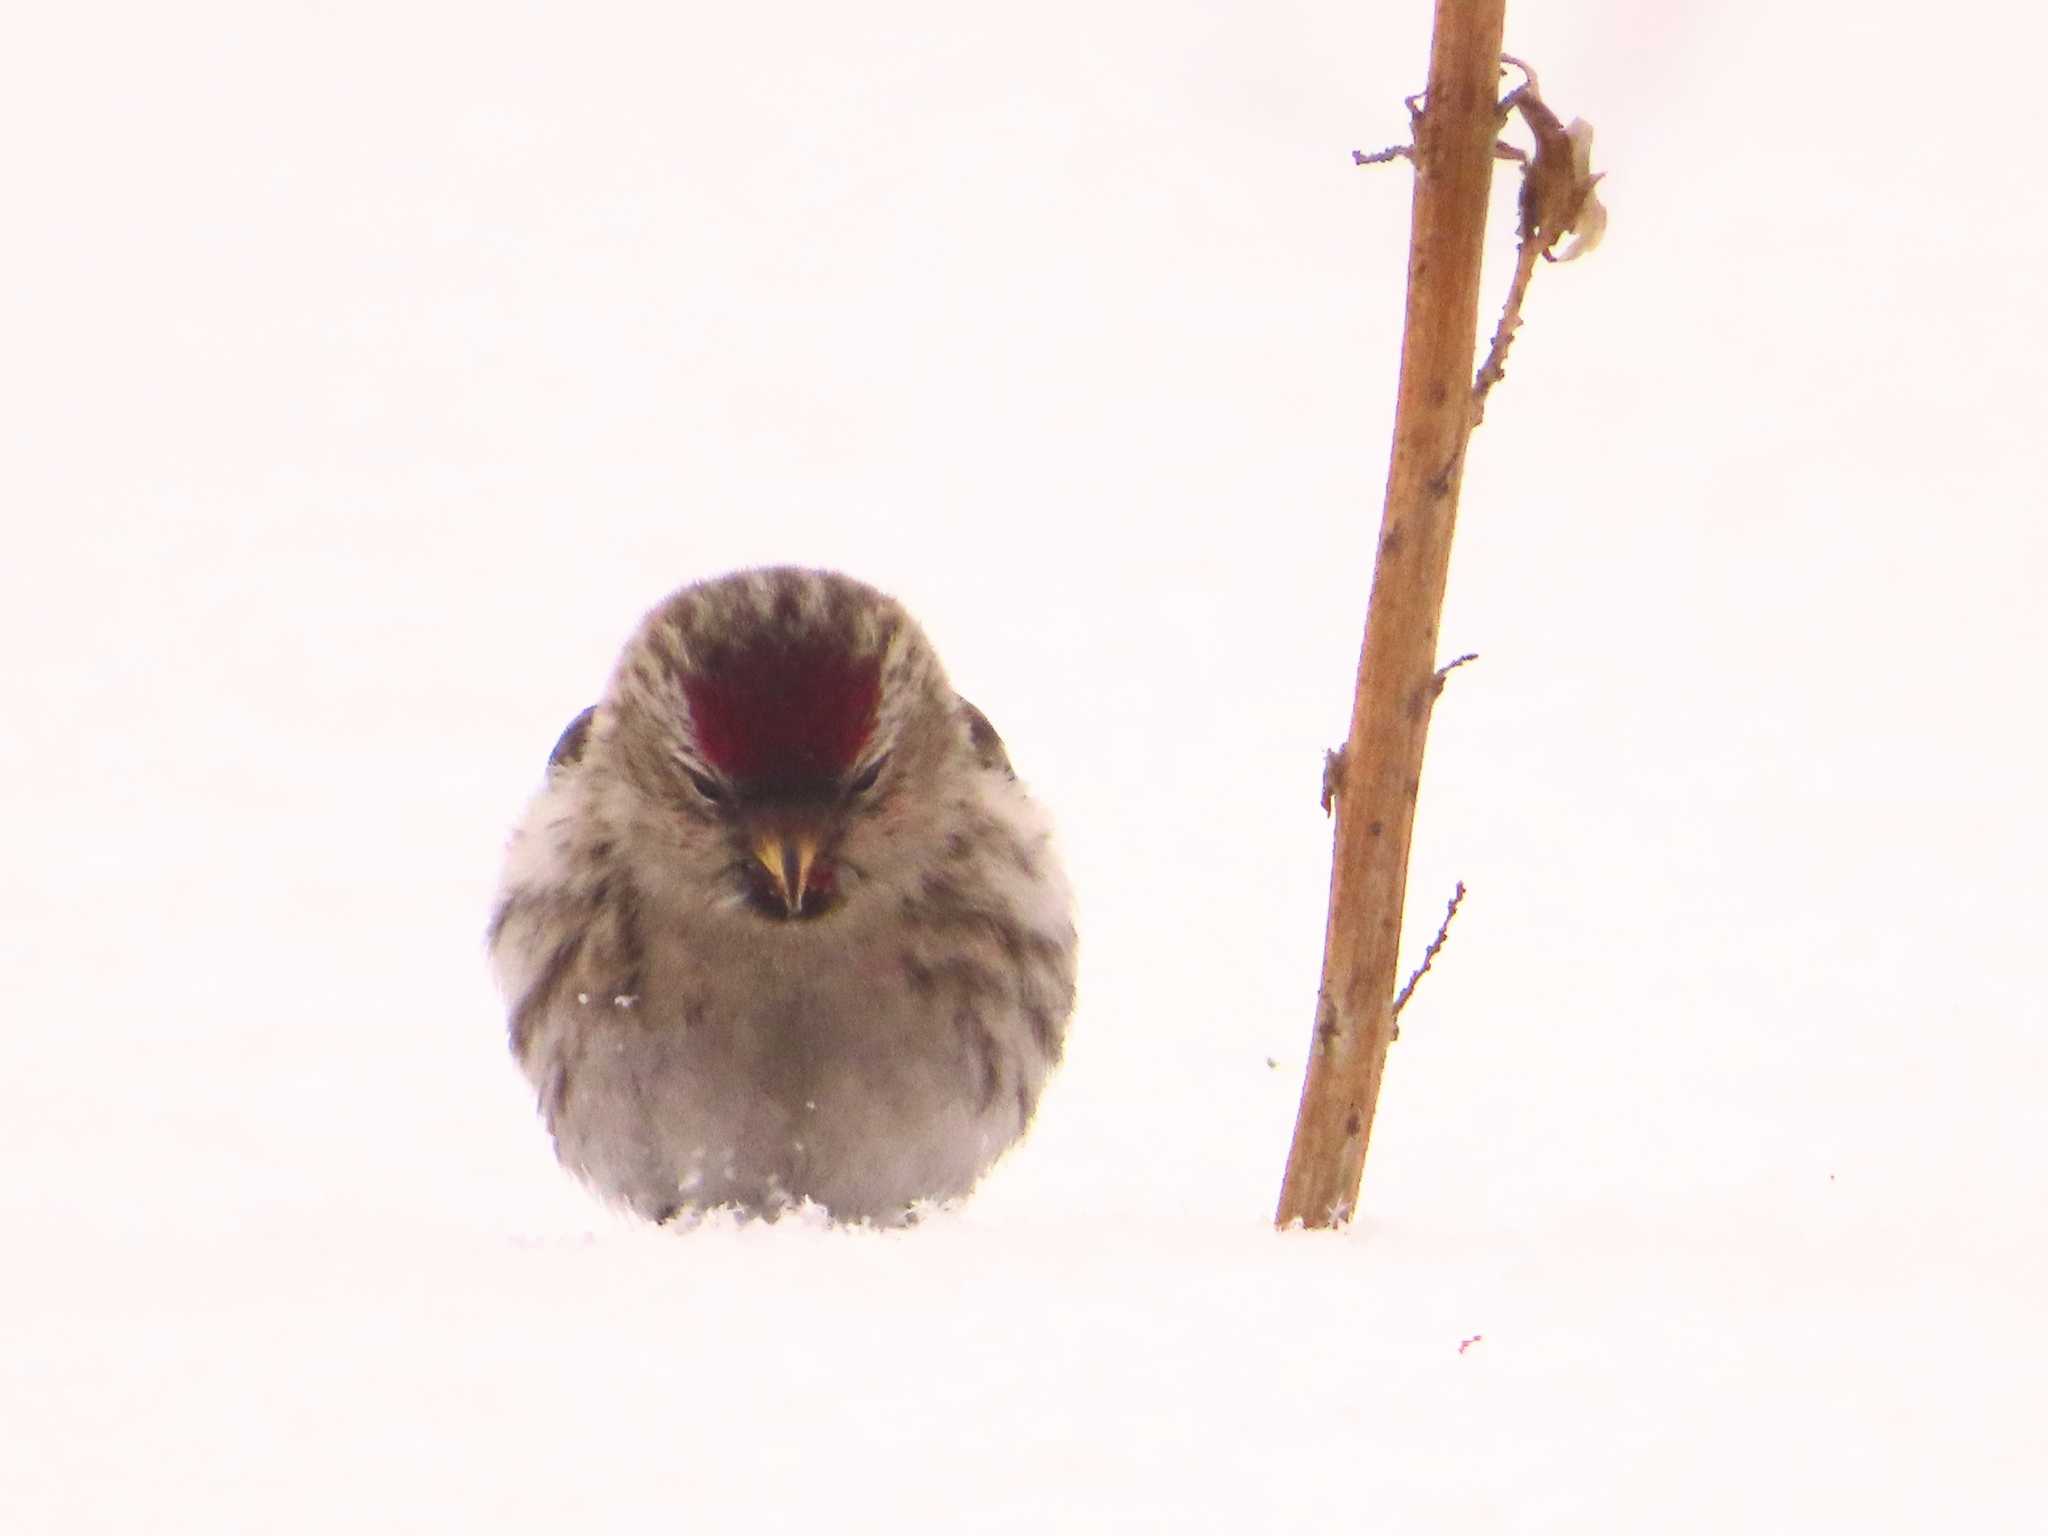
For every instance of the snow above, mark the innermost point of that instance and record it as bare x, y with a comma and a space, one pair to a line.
369, 375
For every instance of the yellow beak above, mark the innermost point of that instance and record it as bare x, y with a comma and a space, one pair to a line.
788, 858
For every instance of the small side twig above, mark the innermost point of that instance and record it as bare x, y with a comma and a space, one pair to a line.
1451, 666
1557, 198
1383, 156
1395, 151
1443, 933
1333, 777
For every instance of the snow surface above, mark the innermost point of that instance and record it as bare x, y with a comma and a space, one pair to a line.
369, 371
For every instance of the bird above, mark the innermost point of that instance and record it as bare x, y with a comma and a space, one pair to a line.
781, 925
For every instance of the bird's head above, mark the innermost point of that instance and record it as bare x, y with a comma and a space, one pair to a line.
776, 741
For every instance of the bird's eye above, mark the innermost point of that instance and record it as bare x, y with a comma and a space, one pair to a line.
706, 786
865, 780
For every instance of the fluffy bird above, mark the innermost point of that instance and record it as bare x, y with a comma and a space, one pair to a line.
782, 924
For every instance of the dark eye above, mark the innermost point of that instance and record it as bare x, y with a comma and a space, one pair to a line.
709, 788
865, 779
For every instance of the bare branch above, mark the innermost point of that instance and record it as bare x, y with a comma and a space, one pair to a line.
1399, 151
1457, 123
1451, 666
1383, 156
1443, 932
1495, 368
1373, 783
1528, 79
1557, 198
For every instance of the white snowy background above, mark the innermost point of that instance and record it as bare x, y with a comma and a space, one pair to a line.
368, 370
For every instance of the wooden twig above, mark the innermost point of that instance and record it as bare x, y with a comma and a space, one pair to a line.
1382, 156
1451, 666
1394, 151
1443, 932
1333, 777
1375, 792
1557, 198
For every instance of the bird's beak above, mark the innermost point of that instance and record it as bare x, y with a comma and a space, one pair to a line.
788, 857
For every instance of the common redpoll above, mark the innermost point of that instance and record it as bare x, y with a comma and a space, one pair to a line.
782, 924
